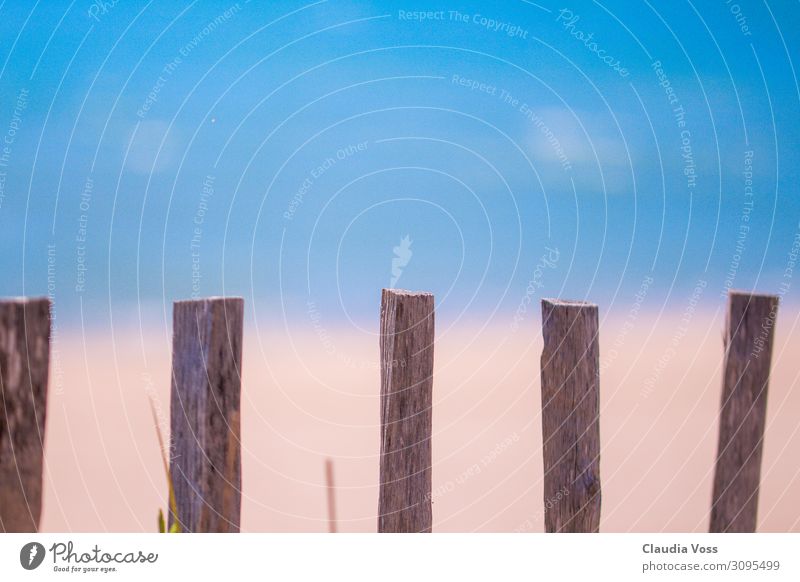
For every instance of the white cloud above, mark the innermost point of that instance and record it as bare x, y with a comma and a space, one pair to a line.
148, 150
564, 142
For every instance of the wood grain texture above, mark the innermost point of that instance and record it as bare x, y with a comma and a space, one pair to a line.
406, 352
205, 444
24, 360
570, 416
749, 332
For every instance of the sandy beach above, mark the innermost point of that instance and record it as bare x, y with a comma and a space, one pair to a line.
305, 400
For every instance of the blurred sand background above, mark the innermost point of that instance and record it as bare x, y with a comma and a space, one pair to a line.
306, 398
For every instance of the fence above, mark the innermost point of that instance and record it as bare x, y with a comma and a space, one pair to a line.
205, 471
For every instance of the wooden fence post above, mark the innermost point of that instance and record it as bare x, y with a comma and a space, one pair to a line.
406, 351
205, 445
331, 490
570, 416
749, 332
24, 360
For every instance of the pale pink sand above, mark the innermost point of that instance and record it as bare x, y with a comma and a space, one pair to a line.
304, 400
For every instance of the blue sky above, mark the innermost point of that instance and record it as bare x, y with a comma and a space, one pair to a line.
281, 152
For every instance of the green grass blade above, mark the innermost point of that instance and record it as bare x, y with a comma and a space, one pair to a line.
173, 504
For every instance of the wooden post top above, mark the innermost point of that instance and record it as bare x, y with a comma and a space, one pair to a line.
213, 298
406, 293
744, 293
24, 300
567, 303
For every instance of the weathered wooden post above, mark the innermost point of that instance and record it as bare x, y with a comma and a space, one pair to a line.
570, 373
205, 447
749, 333
24, 360
331, 490
406, 351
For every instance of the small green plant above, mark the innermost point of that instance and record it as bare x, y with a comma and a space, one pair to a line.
173, 505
